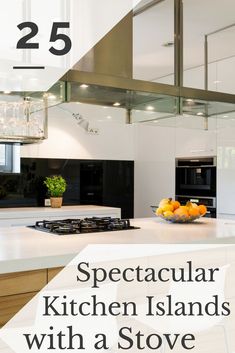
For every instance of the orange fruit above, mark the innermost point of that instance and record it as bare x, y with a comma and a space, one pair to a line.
175, 204
194, 212
202, 210
185, 208
182, 211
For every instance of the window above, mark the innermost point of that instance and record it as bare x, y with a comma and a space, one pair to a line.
9, 158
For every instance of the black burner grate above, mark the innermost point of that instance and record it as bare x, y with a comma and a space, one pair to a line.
86, 225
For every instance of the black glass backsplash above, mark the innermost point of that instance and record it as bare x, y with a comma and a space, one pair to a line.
109, 183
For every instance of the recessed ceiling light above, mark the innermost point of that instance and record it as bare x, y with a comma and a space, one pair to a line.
200, 114
150, 108
7, 92
225, 116
117, 104
109, 117
217, 81
189, 100
84, 86
155, 121
169, 44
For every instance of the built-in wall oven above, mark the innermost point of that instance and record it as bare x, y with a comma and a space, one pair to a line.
196, 181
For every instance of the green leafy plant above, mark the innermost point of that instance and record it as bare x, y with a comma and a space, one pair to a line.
56, 185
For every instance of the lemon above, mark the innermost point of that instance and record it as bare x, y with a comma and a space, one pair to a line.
163, 202
159, 211
167, 207
168, 214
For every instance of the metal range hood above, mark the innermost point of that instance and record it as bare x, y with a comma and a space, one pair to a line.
104, 77
113, 55
136, 95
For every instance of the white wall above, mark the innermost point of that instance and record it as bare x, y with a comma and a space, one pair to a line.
153, 148
67, 140
154, 167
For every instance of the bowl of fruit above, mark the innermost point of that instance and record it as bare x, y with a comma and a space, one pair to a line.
172, 211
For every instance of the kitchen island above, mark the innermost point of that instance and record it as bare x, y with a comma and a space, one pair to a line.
25, 249
24, 216
29, 258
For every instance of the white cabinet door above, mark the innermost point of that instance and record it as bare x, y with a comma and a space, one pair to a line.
226, 167
194, 141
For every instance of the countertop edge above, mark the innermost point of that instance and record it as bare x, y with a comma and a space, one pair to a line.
33, 264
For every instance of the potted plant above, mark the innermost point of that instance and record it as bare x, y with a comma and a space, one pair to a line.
56, 186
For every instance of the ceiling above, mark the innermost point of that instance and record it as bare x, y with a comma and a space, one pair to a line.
155, 27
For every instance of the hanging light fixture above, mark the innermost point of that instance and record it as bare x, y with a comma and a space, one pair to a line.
24, 117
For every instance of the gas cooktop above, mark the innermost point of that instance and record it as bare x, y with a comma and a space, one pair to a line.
81, 226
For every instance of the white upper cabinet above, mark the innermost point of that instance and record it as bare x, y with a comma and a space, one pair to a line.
226, 167
196, 141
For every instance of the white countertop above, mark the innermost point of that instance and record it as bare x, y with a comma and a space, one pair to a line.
23, 249
43, 212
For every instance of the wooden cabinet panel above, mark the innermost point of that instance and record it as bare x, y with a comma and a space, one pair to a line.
52, 272
10, 305
22, 282
17, 289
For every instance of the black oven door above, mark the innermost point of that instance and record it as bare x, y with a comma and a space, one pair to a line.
196, 180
